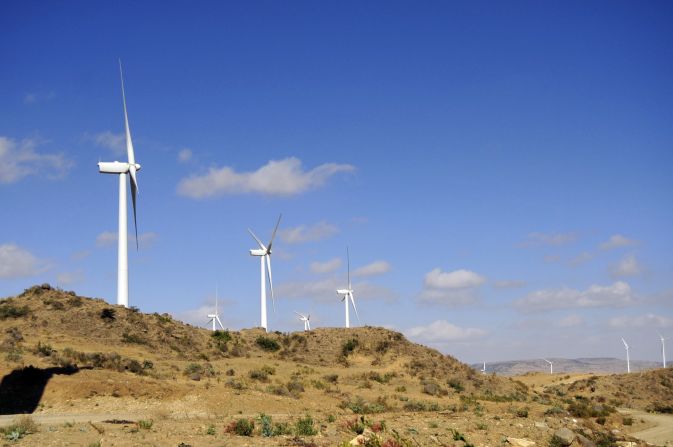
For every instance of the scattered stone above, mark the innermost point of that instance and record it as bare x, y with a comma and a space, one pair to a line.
585, 442
520, 442
627, 444
196, 376
541, 425
566, 435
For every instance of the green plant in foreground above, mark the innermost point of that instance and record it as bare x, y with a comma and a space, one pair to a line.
210, 430
266, 425
145, 424
304, 427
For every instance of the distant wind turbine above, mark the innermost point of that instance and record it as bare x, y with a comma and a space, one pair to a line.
215, 318
551, 365
628, 362
264, 253
347, 294
307, 321
483, 370
121, 169
663, 350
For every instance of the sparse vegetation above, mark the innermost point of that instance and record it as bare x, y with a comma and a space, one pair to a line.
23, 426
108, 314
268, 344
349, 346
241, 427
8, 310
304, 427
145, 424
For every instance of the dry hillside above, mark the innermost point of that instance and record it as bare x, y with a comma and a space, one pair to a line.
79, 364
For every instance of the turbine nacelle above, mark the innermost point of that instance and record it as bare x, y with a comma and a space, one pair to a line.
258, 252
115, 167
344, 291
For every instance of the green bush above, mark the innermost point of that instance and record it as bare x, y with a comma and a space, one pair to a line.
20, 428
11, 311
266, 425
223, 336
522, 412
260, 375
456, 384
244, 427
145, 424
304, 427
267, 344
108, 314
349, 346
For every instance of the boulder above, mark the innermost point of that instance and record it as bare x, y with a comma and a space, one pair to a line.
520, 442
541, 425
584, 441
566, 435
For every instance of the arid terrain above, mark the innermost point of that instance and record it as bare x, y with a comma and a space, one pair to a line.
93, 374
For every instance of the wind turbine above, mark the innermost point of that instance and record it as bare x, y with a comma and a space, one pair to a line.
551, 365
483, 370
264, 253
628, 362
347, 294
663, 350
121, 169
307, 321
214, 318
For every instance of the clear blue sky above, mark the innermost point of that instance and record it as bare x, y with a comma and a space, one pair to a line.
501, 171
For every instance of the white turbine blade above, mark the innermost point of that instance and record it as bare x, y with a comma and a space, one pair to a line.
134, 195
129, 143
300, 315
273, 235
354, 307
626, 346
219, 322
257, 239
268, 265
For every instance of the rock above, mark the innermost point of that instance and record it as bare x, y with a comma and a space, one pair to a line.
541, 425
566, 435
520, 442
364, 438
627, 444
196, 376
585, 442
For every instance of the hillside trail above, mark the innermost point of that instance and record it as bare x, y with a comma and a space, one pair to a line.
660, 434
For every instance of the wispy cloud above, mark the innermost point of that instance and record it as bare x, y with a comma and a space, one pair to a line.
615, 295
626, 267
17, 262
308, 233
115, 142
324, 290
570, 321
441, 331
618, 241
373, 269
145, 240
185, 155
509, 284
458, 287
553, 239
20, 159
325, 267
284, 177
649, 320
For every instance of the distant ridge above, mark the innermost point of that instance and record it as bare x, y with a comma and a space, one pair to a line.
580, 365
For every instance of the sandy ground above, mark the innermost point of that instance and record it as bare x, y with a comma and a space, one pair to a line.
661, 432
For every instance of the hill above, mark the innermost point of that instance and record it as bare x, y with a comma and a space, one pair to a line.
74, 362
581, 365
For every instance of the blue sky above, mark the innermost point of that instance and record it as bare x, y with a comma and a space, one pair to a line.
501, 171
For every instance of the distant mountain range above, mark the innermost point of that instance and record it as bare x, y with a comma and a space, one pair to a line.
582, 365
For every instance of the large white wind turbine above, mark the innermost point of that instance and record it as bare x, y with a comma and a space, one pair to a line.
215, 318
264, 253
347, 294
551, 365
121, 169
307, 321
628, 362
663, 350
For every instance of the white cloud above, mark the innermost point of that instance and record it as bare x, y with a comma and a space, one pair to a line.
145, 240
580, 259
441, 331
618, 241
458, 279
19, 159
185, 155
373, 269
537, 239
67, 278
627, 266
615, 295
324, 290
509, 284
16, 262
116, 142
325, 267
277, 178
308, 233
570, 321
648, 320
451, 288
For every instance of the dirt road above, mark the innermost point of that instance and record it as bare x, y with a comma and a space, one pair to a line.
662, 432
55, 419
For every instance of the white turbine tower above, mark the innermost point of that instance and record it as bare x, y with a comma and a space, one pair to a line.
307, 321
347, 294
483, 370
663, 350
628, 362
264, 253
121, 169
551, 366
215, 318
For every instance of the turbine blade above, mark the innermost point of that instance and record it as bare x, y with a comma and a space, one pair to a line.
298, 314
129, 143
134, 196
257, 239
221, 325
268, 265
354, 307
273, 235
